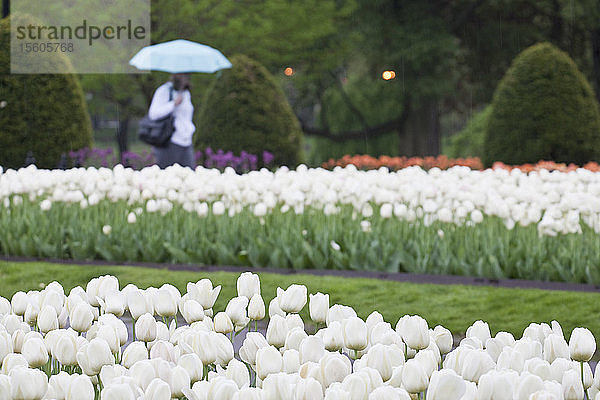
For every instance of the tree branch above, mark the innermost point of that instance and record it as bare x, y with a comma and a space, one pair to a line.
349, 102
367, 133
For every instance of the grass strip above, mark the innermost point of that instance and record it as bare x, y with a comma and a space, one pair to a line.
454, 306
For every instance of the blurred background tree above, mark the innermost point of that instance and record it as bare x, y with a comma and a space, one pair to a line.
448, 56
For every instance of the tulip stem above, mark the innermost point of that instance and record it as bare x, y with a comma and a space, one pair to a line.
133, 328
256, 326
583, 383
99, 383
249, 373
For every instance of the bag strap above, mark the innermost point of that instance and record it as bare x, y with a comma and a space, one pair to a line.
170, 92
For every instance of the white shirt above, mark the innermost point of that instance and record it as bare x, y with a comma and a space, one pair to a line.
183, 113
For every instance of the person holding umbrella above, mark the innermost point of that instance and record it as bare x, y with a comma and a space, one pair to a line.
179, 57
174, 97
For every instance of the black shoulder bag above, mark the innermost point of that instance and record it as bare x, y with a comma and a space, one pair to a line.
157, 132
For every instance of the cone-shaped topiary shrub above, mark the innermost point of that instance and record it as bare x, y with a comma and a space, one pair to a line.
543, 109
44, 115
245, 110
469, 141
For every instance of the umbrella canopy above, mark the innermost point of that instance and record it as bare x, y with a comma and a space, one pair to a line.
178, 56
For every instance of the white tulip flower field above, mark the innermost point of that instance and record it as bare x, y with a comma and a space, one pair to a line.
493, 223
76, 346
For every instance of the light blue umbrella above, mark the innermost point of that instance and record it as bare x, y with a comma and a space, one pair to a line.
178, 56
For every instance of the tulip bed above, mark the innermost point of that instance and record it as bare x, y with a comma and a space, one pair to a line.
491, 223
76, 345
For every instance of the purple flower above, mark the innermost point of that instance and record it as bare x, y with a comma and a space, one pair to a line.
267, 157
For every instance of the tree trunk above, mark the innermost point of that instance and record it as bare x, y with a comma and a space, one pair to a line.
122, 138
596, 58
421, 136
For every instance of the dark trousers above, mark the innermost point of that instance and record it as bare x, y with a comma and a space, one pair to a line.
174, 154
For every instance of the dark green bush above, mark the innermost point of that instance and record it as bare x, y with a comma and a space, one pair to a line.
469, 142
245, 110
543, 109
43, 114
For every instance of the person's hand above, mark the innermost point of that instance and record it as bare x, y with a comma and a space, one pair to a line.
178, 100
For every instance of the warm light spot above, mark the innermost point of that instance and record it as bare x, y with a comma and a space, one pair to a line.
289, 71
387, 75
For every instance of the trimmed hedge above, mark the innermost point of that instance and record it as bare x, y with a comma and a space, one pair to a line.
246, 110
44, 114
470, 141
543, 109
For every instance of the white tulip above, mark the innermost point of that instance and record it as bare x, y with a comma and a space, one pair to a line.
238, 372
192, 311
582, 344
236, 310
293, 299
80, 388
311, 349
333, 337
414, 331
6, 344
480, 330
65, 349
157, 390
118, 391
319, 307
248, 285
256, 308
145, 328
91, 357
268, 361
555, 347
180, 379
445, 384
114, 303
138, 304
47, 319
134, 352
81, 317
27, 383
572, 386
528, 384
251, 344
333, 367
131, 218
13, 361
165, 305
277, 331
414, 377
308, 389
355, 333
224, 348
19, 303
291, 361
218, 208
143, 372
203, 292
35, 352
443, 339
223, 323
205, 347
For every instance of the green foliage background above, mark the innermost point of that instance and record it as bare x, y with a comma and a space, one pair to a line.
543, 109
44, 114
246, 110
469, 142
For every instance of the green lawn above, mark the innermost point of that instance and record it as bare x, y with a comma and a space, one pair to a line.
454, 306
